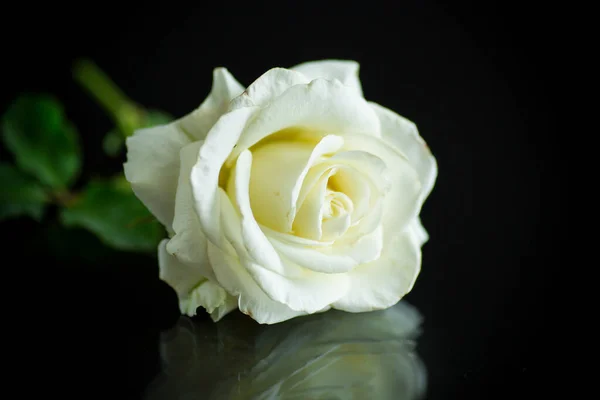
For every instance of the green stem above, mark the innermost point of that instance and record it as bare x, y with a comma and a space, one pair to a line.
99, 85
126, 114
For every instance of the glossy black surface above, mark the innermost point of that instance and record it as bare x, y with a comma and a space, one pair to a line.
326, 356
477, 80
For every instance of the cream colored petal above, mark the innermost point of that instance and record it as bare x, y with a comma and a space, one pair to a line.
267, 87
308, 222
364, 163
325, 214
404, 135
278, 171
383, 282
336, 258
308, 294
212, 298
346, 71
356, 186
152, 168
335, 227
253, 239
205, 174
321, 106
192, 288
359, 175
181, 277
238, 282
224, 88
188, 243
282, 281
401, 202
418, 231
208, 295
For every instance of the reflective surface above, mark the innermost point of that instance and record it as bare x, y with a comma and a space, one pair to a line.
334, 355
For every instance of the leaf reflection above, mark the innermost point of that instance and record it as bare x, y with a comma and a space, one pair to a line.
334, 355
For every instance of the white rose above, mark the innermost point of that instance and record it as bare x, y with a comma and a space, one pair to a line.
290, 197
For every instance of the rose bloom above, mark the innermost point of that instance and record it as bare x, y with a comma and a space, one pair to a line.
290, 197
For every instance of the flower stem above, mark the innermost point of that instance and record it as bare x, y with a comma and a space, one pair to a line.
126, 114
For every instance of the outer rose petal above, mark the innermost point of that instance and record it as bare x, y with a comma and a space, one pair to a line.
152, 165
252, 300
181, 277
193, 290
383, 282
419, 232
321, 106
401, 203
152, 168
189, 243
205, 174
267, 87
345, 71
224, 88
212, 298
332, 259
404, 136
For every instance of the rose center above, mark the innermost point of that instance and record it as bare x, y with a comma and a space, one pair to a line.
336, 214
337, 204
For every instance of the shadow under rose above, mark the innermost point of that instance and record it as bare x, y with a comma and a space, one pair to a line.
331, 355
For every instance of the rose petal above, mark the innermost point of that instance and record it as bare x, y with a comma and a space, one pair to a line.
356, 186
267, 87
152, 163
364, 163
335, 227
188, 243
280, 279
224, 88
310, 294
383, 282
418, 231
181, 277
152, 168
205, 174
345, 71
308, 222
361, 176
401, 202
212, 298
274, 190
321, 106
337, 258
207, 295
192, 288
404, 135
253, 239
238, 282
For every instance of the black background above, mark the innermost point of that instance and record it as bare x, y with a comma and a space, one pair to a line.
473, 78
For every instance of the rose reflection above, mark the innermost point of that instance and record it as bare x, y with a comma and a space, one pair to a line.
334, 355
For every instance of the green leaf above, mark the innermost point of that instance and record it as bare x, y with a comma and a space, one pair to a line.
114, 140
43, 141
116, 216
20, 194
